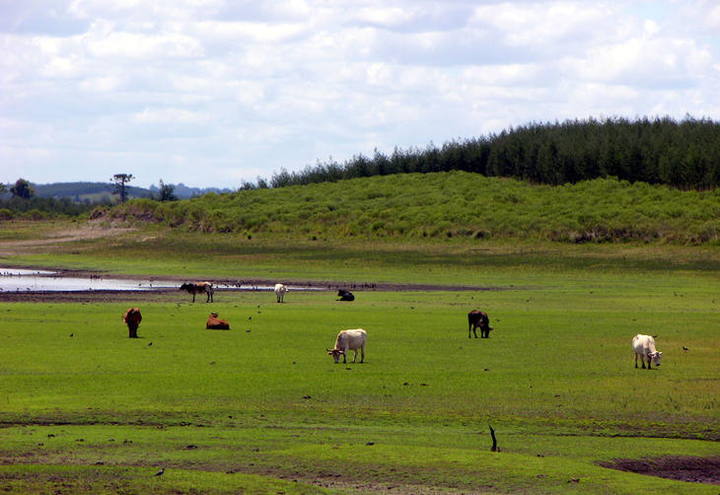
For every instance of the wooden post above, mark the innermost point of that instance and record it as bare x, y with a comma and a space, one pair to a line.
494, 447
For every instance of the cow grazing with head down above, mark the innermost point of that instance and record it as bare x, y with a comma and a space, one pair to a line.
280, 291
644, 347
345, 295
132, 319
199, 288
215, 323
349, 340
480, 319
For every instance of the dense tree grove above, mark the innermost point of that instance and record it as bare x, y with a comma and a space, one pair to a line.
683, 154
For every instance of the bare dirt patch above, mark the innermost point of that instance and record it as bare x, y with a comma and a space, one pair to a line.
681, 468
84, 233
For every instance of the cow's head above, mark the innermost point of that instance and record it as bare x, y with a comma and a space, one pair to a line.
335, 353
213, 315
656, 356
185, 286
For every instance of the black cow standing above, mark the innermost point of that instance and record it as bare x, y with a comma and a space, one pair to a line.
480, 319
345, 295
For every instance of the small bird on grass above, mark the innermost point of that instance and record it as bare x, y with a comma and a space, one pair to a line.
160, 473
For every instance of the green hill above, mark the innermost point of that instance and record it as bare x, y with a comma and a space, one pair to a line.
448, 205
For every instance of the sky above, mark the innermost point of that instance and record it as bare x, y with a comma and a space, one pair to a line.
211, 93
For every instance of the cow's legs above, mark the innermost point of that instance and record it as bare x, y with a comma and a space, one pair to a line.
362, 354
649, 363
193, 297
636, 359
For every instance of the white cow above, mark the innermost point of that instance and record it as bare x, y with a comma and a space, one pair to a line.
280, 290
644, 346
349, 340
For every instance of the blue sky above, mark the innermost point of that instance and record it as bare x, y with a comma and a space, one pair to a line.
214, 92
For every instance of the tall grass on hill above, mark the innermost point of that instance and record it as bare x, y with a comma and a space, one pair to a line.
449, 205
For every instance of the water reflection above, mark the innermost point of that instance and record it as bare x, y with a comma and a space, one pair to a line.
21, 280
24, 280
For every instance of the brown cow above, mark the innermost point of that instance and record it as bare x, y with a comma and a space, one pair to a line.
480, 319
215, 323
132, 319
199, 287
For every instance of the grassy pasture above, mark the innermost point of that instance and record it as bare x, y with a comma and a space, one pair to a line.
262, 409
556, 380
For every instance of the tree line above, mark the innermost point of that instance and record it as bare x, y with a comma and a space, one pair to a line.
20, 200
684, 154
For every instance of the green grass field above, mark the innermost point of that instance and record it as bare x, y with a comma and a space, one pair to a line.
262, 409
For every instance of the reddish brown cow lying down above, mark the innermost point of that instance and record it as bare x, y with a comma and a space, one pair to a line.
215, 323
132, 319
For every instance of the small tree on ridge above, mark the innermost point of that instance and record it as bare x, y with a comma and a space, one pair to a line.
120, 181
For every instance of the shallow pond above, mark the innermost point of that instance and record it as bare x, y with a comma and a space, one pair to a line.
23, 280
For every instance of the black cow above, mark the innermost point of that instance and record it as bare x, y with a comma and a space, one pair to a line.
345, 295
480, 319
199, 287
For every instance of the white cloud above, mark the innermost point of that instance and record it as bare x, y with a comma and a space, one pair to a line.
142, 46
242, 32
645, 62
170, 116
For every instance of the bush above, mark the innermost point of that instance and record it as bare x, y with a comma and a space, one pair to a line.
36, 215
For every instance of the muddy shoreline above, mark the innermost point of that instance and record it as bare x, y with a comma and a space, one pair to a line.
682, 468
233, 285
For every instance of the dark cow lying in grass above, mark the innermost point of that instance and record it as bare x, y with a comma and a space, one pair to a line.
480, 319
198, 288
132, 319
215, 323
345, 295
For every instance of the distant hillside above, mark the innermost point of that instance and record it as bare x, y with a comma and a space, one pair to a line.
102, 192
449, 205
184, 192
94, 192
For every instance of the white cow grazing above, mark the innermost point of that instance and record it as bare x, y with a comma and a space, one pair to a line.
349, 340
280, 291
644, 346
